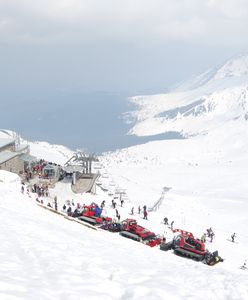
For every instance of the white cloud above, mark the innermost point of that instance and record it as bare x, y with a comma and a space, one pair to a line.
58, 21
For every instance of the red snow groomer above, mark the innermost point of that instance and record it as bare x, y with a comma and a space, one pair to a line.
186, 244
92, 214
130, 229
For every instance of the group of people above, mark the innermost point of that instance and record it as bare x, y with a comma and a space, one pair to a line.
70, 208
166, 222
41, 190
114, 204
209, 233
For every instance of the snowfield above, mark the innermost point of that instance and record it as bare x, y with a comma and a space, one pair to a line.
45, 256
199, 182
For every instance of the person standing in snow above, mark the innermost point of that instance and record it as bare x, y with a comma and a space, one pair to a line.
172, 223
122, 201
166, 221
116, 213
233, 237
132, 210
139, 210
203, 238
69, 210
145, 215
55, 203
209, 232
118, 217
163, 242
211, 236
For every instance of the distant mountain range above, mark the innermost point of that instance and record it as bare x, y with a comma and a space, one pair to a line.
197, 106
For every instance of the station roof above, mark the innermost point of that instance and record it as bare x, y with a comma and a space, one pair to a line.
7, 155
5, 142
28, 158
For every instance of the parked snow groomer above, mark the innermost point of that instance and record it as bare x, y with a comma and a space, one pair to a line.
185, 244
92, 215
130, 229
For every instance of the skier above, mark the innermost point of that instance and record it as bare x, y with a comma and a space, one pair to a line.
64, 208
145, 215
122, 201
139, 209
132, 210
244, 267
116, 213
233, 237
22, 189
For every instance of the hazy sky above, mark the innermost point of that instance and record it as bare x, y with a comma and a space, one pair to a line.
135, 46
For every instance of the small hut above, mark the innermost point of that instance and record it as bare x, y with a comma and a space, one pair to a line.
51, 171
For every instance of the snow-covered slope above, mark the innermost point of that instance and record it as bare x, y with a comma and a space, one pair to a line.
44, 256
210, 100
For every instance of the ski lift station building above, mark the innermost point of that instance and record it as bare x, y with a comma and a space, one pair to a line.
15, 158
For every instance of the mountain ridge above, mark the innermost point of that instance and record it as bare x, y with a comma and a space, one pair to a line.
210, 99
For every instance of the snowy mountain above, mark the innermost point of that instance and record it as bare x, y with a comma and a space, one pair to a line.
197, 182
208, 101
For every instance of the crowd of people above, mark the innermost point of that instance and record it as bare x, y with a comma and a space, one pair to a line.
41, 190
